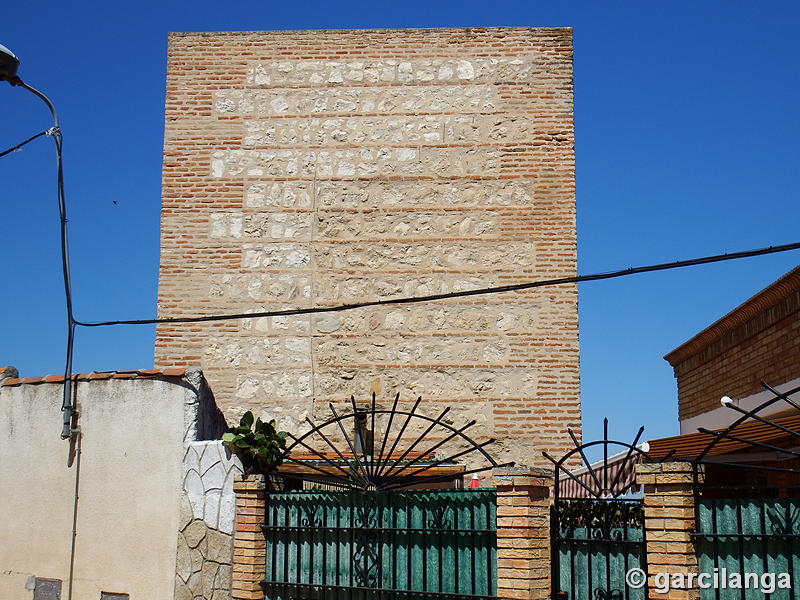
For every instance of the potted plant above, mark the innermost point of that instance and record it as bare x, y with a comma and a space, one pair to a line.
259, 445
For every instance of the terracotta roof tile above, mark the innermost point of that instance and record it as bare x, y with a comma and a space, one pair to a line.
146, 372
106, 375
125, 375
94, 376
175, 372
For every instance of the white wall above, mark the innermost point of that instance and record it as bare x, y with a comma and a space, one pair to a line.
134, 436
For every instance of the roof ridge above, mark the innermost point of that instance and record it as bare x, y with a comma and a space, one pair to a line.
166, 372
759, 302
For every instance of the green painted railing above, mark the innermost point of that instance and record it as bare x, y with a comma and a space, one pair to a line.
361, 545
748, 544
595, 543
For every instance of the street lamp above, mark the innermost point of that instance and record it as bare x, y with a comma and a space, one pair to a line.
9, 64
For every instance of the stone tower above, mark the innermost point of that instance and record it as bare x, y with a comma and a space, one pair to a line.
317, 168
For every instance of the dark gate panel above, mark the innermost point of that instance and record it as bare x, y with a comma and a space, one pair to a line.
361, 545
598, 538
595, 543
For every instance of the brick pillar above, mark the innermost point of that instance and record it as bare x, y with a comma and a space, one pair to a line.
523, 532
669, 520
249, 544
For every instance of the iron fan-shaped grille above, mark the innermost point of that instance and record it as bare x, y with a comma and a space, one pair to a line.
390, 457
603, 482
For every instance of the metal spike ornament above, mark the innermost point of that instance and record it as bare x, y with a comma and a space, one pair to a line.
601, 485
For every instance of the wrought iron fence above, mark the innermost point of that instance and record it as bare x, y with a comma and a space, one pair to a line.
747, 505
597, 538
595, 543
360, 545
742, 540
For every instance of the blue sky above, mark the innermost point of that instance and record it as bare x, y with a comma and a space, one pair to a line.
687, 144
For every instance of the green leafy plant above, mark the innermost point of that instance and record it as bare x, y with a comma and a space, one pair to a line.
260, 445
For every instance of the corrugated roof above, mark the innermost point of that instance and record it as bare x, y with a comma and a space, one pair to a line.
689, 446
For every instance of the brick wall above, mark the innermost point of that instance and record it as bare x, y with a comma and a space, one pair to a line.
523, 533
325, 167
669, 521
249, 543
759, 340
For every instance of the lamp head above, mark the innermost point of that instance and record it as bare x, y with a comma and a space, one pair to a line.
8, 65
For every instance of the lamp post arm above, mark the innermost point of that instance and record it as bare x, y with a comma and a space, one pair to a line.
44, 98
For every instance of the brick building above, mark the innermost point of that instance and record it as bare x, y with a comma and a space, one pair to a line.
319, 168
757, 341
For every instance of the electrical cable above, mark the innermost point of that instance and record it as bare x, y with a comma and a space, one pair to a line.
461, 294
21, 144
55, 132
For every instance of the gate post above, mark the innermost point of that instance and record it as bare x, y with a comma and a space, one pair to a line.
669, 521
523, 532
249, 543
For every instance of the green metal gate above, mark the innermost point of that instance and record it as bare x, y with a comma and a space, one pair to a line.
746, 544
359, 545
595, 543
597, 534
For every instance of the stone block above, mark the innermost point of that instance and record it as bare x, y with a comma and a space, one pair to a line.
194, 533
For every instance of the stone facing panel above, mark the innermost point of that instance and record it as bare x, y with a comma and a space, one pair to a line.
355, 163
291, 73
356, 101
424, 130
371, 165
207, 517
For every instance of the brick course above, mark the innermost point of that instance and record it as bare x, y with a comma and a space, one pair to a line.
318, 168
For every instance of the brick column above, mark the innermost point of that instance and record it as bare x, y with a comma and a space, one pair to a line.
669, 520
523, 532
249, 544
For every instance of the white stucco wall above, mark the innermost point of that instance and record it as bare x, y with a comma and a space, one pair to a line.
134, 437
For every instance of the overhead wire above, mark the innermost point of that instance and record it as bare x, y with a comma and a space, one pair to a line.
67, 406
21, 144
459, 294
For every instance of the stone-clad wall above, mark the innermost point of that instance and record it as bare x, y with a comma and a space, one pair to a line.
207, 515
318, 168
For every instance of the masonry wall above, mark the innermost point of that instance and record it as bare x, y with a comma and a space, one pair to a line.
135, 428
759, 341
325, 167
207, 514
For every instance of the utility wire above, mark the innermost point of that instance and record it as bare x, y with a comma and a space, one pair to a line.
21, 144
461, 294
67, 407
